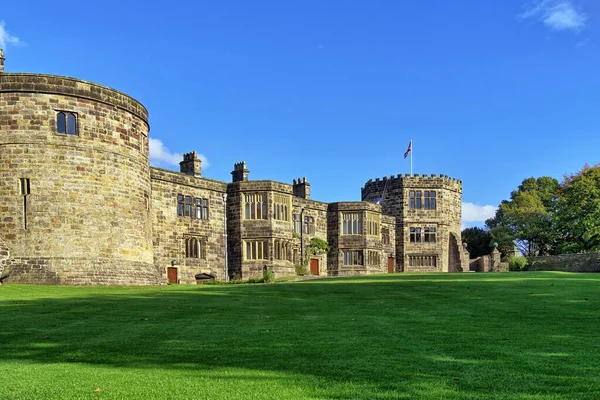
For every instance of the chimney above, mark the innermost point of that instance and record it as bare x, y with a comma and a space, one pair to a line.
301, 188
1, 61
239, 173
191, 165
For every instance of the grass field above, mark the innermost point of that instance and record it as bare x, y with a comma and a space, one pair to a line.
434, 336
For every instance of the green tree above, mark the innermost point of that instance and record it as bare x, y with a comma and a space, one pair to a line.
478, 241
527, 217
578, 215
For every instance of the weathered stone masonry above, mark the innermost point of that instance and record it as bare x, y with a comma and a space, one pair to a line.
80, 204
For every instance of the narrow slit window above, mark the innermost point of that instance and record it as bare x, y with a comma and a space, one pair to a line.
25, 188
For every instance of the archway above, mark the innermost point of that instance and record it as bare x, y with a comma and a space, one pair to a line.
453, 254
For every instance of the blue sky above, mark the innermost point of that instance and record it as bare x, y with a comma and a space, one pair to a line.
490, 91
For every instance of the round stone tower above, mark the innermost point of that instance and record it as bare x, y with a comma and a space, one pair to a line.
75, 187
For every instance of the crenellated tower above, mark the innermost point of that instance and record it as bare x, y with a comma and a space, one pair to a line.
428, 219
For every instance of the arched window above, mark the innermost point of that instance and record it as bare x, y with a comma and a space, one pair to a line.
71, 124
66, 123
61, 123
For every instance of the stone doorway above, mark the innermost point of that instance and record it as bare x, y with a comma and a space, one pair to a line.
391, 265
172, 274
314, 266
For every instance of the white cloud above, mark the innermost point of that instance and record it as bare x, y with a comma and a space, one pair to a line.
472, 213
6, 38
159, 154
558, 15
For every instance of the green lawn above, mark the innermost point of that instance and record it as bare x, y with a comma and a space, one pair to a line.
529, 335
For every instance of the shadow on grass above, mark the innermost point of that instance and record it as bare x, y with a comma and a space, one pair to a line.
445, 335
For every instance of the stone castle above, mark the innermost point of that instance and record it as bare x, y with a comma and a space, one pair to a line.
81, 205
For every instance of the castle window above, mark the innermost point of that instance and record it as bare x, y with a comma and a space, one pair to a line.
429, 203
415, 199
193, 207
415, 235
195, 248
429, 235
25, 189
281, 207
180, 202
422, 261
353, 258
297, 224
255, 206
385, 235
187, 206
309, 225
66, 123
282, 250
257, 250
373, 258
351, 223
201, 211
372, 224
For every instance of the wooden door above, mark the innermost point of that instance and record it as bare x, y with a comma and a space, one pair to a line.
314, 266
390, 265
172, 274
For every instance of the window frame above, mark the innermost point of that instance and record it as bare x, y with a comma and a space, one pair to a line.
67, 117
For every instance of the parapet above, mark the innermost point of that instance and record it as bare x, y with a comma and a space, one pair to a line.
374, 189
52, 84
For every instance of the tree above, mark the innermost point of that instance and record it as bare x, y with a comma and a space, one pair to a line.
528, 216
478, 241
578, 215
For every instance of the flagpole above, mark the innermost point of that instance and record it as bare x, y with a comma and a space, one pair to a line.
411, 151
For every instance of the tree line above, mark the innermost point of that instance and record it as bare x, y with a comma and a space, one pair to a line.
544, 216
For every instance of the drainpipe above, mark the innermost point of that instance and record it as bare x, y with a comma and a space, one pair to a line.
302, 237
225, 235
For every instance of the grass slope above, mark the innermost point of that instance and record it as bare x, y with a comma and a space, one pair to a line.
438, 336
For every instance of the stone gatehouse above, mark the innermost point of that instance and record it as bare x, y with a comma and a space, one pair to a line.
81, 205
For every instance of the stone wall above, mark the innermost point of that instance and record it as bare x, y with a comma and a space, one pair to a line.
171, 230
585, 262
270, 229
88, 197
361, 242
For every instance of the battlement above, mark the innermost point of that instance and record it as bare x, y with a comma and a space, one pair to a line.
190, 156
62, 85
374, 189
239, 166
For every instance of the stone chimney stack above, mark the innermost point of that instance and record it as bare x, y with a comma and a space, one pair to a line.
239, 173
1, 61
191, 165
301, 188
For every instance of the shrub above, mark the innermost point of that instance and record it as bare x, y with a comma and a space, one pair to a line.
518, 263
301, 270
268, 275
